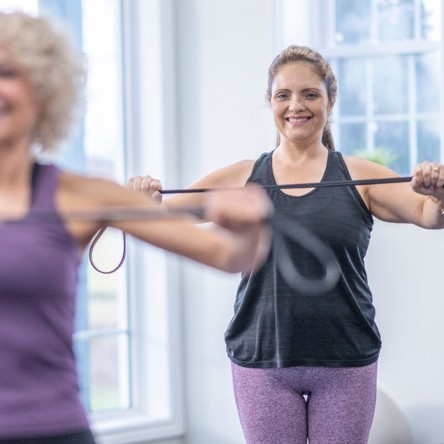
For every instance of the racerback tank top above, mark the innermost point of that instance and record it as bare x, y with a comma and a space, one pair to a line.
276, 326
38, 280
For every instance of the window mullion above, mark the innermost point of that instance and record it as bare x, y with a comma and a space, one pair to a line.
374, 39
371, 121
413, 114
442, 82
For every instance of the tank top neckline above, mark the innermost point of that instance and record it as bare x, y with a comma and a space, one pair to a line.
274, 182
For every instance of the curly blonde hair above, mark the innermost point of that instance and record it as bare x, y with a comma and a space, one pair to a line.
56, 72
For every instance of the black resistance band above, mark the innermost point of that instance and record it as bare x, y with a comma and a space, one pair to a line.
321, 252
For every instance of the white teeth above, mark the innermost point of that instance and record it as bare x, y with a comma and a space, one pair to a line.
297, 119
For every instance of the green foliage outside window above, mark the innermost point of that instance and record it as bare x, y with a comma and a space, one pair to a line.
382, 156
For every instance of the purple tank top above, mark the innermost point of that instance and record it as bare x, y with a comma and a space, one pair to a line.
38, 279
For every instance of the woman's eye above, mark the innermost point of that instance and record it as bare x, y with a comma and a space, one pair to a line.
311, 96
8, 73
281, 96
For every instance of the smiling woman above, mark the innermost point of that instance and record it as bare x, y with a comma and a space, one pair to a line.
299, 102
18, 113
40, 265
322, 93
125, 383
304, 366
103, 344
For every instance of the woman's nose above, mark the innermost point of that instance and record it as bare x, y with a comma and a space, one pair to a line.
295, 104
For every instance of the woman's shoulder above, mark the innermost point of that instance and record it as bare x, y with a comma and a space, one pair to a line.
363, 168
89, 190
232, 175
242, 169
76, 181
243, 166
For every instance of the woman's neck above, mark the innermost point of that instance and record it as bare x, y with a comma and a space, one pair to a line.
299, 153
15, 166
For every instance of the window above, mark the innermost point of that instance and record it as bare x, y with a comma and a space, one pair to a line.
127, 324
388, 59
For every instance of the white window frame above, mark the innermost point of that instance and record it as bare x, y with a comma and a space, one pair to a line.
154, 277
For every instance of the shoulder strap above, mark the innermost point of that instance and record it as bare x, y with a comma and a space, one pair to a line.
259, 172
34, 177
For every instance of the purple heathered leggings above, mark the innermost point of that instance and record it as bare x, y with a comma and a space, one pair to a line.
289, 405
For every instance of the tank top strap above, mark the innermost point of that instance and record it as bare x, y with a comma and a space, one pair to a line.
262, 170
45, 180
336, 168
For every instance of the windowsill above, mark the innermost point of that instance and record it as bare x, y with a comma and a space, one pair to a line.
133, 428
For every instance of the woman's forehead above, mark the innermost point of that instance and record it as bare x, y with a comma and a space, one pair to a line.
298, 73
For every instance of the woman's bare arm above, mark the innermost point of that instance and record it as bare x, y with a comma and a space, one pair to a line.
238, 239
400, 202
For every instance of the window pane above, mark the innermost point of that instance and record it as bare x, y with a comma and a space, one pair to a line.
393, 138
107, 296
396, 20
428, 82
103, 128
107, 384
353, 21
353, 138
428, 141
390, 21
352, 90
106, 306
390, 84
431, 20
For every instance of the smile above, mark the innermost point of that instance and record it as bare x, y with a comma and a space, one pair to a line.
297, 120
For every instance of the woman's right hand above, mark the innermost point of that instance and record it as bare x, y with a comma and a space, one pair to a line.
147, 185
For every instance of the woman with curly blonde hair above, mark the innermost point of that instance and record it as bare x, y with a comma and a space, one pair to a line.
55, 72
41, 242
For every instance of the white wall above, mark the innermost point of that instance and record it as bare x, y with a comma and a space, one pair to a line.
405, 268
224, 49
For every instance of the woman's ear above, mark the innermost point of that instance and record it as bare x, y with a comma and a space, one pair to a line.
330, 106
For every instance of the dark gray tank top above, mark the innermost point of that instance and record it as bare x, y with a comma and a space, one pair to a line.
276, 326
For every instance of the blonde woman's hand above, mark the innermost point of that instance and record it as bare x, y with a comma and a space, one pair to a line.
147, 185
244, 213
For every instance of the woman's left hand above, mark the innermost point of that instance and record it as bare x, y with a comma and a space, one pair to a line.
428, 179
